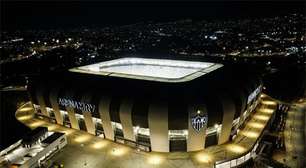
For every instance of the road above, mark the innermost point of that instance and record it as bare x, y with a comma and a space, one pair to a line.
294, 136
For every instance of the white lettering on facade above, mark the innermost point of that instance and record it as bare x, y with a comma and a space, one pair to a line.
76, 105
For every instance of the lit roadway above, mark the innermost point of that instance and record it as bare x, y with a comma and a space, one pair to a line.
85, 150
294, 135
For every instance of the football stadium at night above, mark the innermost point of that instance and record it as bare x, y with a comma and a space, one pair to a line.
151, 104
181, 84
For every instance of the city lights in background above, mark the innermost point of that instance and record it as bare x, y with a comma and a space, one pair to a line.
153, 91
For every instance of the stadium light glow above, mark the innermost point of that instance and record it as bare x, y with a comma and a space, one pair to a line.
36, 124
250, 134
25, 117
53, 127
267, 102
261, 117
82, 138
204, 157
254, 124
155, 159
150, 69
266, 110
235, 148
26, 109
68, 131
119, 151
99, 144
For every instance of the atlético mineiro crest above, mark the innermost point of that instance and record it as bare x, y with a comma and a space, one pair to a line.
198, 121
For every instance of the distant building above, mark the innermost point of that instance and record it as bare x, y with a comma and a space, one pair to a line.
33, 150
153, 104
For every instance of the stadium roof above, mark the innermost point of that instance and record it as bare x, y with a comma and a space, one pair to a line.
162, 70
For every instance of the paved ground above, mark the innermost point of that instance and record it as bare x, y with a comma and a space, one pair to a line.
85, 150
294, 156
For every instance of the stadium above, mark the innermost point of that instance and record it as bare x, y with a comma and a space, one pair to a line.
156, 105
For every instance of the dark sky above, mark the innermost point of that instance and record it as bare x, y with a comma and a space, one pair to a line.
58, 14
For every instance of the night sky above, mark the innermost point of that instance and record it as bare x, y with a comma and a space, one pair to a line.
38, 15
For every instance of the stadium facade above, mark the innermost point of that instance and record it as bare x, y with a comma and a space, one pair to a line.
152, 104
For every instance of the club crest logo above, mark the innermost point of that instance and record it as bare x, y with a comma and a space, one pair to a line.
198, 121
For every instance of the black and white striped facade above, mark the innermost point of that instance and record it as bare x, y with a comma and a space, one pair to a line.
152, 115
